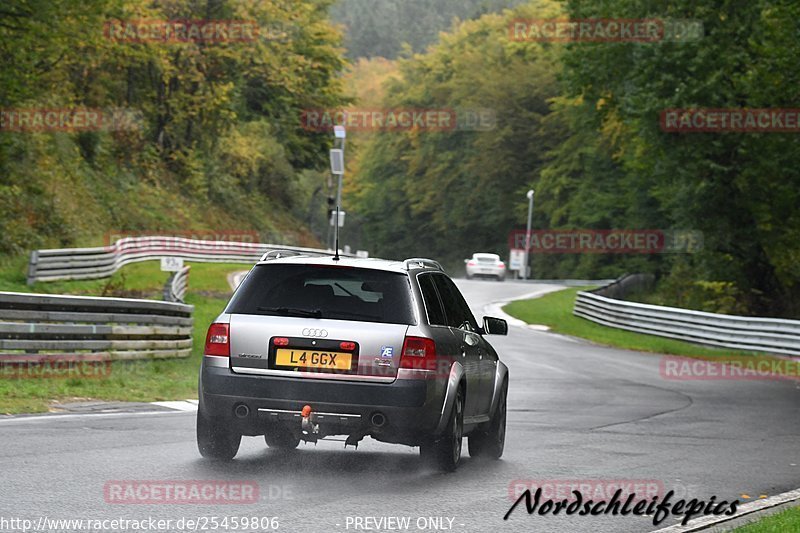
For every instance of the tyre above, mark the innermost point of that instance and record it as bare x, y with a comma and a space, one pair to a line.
490, 443
501, 278
445, 452
215, 440
281, 438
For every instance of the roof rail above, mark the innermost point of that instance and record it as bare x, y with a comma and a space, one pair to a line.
421, 262
277, 254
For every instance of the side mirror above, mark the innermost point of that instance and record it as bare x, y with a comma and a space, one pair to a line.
466, 261
495, 326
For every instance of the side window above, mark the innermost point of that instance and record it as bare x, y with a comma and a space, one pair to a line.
436, 315
455, 307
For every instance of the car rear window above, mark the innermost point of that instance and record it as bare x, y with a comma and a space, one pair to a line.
337, 292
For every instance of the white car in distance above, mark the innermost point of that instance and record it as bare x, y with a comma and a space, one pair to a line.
482, 265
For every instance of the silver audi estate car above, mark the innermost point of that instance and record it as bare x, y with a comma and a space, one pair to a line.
310, 347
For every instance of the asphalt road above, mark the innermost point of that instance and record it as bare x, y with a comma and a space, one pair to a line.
576, 412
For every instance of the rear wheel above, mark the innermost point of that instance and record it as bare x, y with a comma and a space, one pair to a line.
281, 438
501, 278
215, 440
491, 443
445, 451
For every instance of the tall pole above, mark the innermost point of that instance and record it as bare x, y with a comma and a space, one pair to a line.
340, 135
528, 234
336, 212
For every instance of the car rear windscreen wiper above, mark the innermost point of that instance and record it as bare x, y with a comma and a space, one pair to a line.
293, 311
356, 315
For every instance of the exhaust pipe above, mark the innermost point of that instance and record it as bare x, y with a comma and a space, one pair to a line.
378, 420
241, 411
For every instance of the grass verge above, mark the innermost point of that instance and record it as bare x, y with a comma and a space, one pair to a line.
555, 311
144, 380
788, 520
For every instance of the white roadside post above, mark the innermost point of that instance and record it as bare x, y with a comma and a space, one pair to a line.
516, 261
528, 235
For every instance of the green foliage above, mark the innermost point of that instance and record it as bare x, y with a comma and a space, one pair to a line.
450, 192
219, 142
142, 381
580, 124
739, 189
380, 28
786, 520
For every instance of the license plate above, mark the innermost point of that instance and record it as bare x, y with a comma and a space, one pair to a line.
303, 358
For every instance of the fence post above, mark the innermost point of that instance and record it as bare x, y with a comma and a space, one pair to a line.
34, 260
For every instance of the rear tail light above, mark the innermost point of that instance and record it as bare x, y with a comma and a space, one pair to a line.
347, 346
471, 263
280, 341
419, 353
218, 340
502, 265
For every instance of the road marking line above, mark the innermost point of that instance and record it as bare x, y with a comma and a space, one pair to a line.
744, 510
179, 405
57, 416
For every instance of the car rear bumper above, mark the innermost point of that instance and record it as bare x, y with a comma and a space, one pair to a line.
411, 407
486, 272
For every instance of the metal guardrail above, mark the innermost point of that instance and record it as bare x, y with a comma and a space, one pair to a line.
102, 262
43, 327
770, 335
175, 288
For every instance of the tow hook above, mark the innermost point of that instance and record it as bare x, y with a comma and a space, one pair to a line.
310, 429
354, 438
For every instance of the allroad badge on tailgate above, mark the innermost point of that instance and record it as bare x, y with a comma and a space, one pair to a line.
311, 332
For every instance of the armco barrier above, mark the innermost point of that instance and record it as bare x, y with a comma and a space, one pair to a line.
175, 288
102, 262
40, 327
770, 335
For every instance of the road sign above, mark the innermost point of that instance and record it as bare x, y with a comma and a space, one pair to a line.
171, 264
341, 218
516, 259
337, 161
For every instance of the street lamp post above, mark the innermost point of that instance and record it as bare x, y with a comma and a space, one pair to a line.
528, 234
